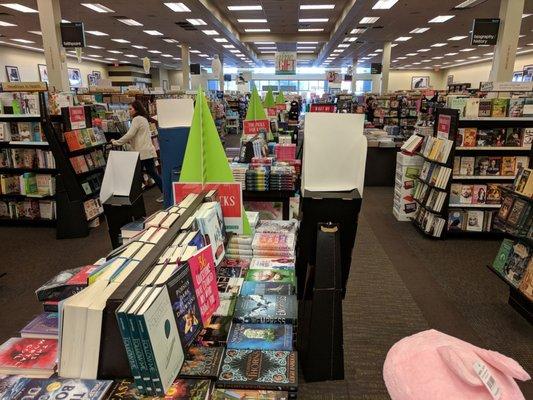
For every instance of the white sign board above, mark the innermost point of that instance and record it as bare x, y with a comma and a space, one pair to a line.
119, 173
506, 86
334, 153
174, 113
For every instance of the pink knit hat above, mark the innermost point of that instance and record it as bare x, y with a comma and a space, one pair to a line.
433, 365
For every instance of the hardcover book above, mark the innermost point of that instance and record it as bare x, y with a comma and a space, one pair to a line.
494, 167
485, 108
516, 265
474, 222
456, 221
64, 389
516, 107
508, 166
181, 389
273, 263
202, 362
30, 357
257, 369
470, 137
503, 254
204, 277
237, 394
467, 165
513, 137
260, 337
480, 194
43, 326
493, 194
256, 309
261, 288
499, 107
482, 165
215, 333
467, 194
271, 275
65, 284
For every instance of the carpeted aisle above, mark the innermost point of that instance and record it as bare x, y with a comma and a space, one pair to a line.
400, 284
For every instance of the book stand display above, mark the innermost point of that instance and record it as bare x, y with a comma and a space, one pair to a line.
121, 193
323, 359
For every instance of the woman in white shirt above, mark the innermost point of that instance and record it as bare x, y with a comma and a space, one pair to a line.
140, 139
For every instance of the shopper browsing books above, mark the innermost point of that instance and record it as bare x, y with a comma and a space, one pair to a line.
139, 138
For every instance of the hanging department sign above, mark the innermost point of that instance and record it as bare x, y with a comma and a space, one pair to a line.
285, 63
72, 34
485, 31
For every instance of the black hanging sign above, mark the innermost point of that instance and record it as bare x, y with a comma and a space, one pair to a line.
72, 34
485, 31
375, 68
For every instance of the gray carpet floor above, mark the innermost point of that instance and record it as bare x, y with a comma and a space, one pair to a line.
400, 283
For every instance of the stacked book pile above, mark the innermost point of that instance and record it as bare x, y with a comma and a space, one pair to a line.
275, 239
257, 179
285, 152
239, 173
282, 178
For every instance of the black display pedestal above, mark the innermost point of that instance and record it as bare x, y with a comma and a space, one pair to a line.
119, 211
340, 208
320, 319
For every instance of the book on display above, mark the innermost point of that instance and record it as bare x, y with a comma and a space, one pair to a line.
233, 394
257, 309
261, 337
202, 362
261, 288
44, 326
29, 357
67, 389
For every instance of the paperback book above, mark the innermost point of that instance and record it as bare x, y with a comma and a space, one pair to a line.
43, 326
256, 309
271, 275
202, 362
260, 337
29, 357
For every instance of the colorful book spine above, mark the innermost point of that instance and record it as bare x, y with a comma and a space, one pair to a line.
122, 319
139, 354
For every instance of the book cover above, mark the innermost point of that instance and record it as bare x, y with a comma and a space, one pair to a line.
237, 394
508, 167
506, 208
522, 162
480, 194
260, 337
266, 309
527, 137
185, 305
499, 107
472, 107
229, 285
31, 357
485, 108
259, 369
516, 265
494, 167
262, 288
227, 305
11, 386
65, 389
204, 278
181, 389
519, 207
211, 226
526, 285
271, 275
42, 326
467, 165
470, 137
202, 362
482, 165
273, 263
513, 137
503, 254
474, 222
455, 221
215, 332
276, 241
516, 107
231, 272
467, 194
493, 194
236, 262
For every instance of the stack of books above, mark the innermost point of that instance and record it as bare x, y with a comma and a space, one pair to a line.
239, 173
282, 178
257, 179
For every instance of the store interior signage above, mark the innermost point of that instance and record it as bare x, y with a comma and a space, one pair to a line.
72, 34
485, 31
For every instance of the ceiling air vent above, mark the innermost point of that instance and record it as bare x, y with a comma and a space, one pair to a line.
186, 25
377, 27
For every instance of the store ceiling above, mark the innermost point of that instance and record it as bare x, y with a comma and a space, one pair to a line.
315, 34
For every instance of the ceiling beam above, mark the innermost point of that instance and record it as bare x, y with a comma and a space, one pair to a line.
224, 25
272, 37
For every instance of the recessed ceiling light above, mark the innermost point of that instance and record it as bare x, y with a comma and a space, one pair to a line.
125, 62
411, 54
221, 40
210, 32
419, 30
438, 45
466, 50
252, 20
245, 8
178, 7
342, 45
99, 8
169, 40
372, 55
96, 33
22, 41
473, 57
228, 46
455, 38
426, 61
384, 4
489, 54
310, 29
440, 19
466, 4
403, 39
423, 50
154, 51
19, 7
313, 20
257, 30
378, 51
95, 47
317, 6
130, 55
196, 21
368, 20
114, 51
394, 45
357, 31
261, 43
111, 59
350, 39
459, 60
155, 62
129, 22
194, 51
451, 54
120, 40
137, 46
2, 23
176, 58
41, 34
437, 58
153, 33
166, 55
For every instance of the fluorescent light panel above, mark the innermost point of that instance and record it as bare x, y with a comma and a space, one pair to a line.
257, 30
403, 39
455, 38
317, 6
313, 20
137, 46
178, 7
19, 7
310, 29
419, 30
438, 45
41, 34
252, 20
3, 23
440, 19
153, 33
368, 20
245, 8
95, 47
120, 40
99, 8
169, 40
384, 4
22, 41
96, 33
196, 21
129, 22
154, 51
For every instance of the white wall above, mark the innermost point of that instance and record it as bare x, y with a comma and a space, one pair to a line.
27, 60
401, 80
475, 73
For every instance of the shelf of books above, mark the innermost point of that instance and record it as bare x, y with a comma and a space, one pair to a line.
27, 165
171, 311
514, 262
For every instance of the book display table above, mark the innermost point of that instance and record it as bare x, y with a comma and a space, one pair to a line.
271, 196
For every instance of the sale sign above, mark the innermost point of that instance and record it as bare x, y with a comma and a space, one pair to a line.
77, 117
230, 198
324, 108
271, 112
256, 127
281, 107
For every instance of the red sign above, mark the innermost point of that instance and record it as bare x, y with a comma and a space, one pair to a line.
255, 127
77, 117
325, 108
230, 198
444, 126
272, 111
281, 107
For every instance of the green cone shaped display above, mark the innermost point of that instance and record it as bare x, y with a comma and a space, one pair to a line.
280, 98
255, 108
205, 159
269, 100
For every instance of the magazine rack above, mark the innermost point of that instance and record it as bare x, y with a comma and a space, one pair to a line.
320, 331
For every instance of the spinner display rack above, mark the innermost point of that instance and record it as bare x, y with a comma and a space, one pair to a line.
44, 120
